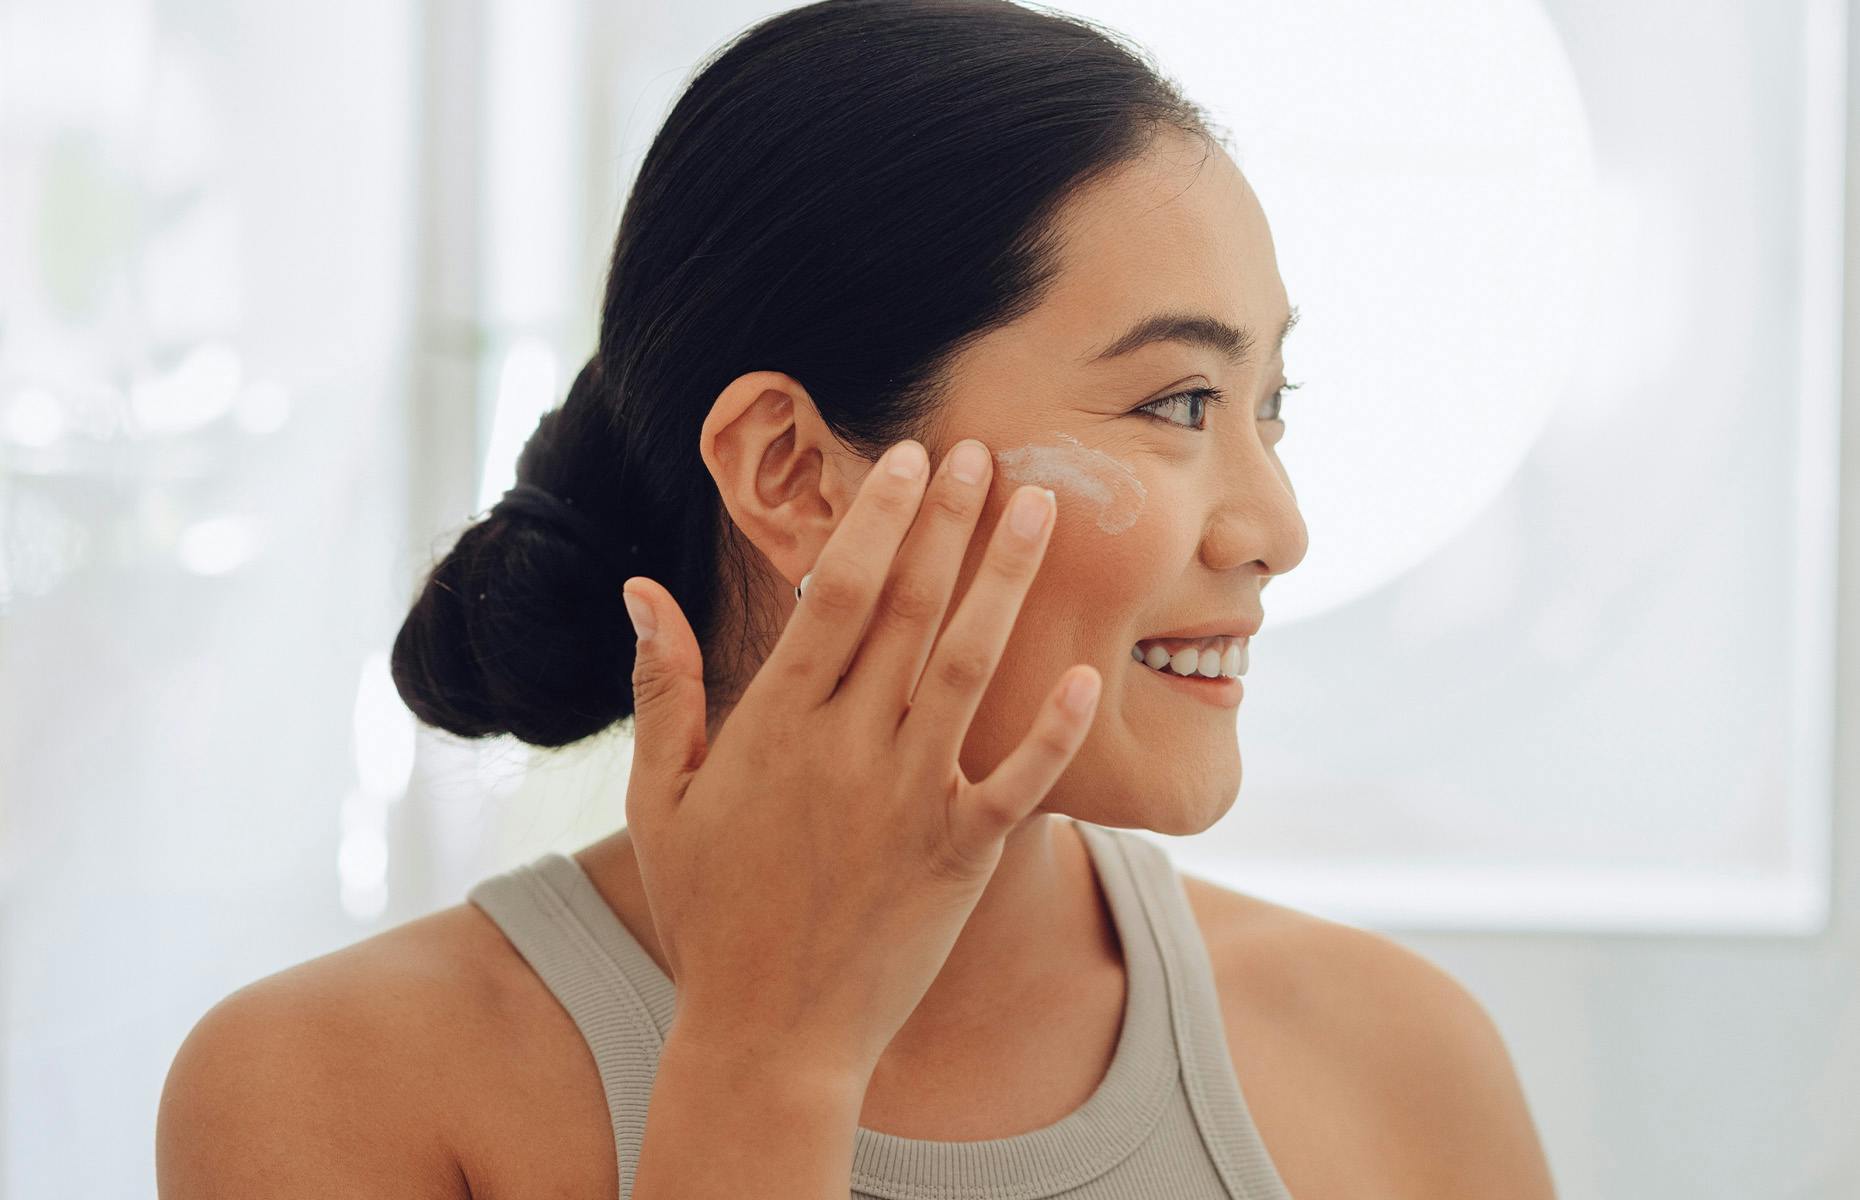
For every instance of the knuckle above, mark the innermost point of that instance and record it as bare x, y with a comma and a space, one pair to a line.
950, 504
1011, 564
786, 677
836, 590
1053, 741
947, 863
949, 867
963, 669
651, 683
911, 602
896, 500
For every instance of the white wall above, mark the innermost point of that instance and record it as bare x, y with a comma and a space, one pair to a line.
1708, 1068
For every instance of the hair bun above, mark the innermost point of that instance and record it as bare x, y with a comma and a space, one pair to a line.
514, 633
535, 501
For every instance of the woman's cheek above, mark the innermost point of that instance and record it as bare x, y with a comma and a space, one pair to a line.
1095, 488
1099, 559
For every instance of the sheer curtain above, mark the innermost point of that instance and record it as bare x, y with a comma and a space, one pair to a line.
209, 273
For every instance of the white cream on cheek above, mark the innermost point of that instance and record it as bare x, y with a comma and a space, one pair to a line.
1107, 483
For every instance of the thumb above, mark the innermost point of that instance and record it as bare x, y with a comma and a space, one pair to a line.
669, 739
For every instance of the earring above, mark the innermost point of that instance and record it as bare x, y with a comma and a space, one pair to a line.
802, 584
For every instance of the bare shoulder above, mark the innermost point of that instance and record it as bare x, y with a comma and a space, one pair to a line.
1333, 1026
327, 1077
1295, 963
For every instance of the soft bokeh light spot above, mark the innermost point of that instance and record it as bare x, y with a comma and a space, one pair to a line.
263, 407
1431, 187
526, 386
219, 545
384, 741
198, 391
33, 418
362, 856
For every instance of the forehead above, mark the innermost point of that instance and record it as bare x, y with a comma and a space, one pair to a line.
1179, 229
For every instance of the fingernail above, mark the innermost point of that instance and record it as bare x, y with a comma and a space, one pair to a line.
1028, 514
906, 460
1079, 694
641, 613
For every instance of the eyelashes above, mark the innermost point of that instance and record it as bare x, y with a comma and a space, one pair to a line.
1278, 399
1205, 396
1202, 395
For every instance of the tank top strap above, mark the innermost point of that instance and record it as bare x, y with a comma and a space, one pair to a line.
623, 1005
619, 1000
1214, 1095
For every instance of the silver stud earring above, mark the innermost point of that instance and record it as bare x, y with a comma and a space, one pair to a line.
802, 584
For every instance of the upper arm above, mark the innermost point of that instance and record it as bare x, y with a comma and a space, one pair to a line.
1453, 1114
277, 1093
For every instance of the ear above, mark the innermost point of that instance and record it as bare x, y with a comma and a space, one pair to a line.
783, 477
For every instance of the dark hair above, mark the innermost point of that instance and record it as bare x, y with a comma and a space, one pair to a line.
850, 192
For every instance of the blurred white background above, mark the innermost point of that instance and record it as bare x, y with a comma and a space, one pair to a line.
1555, 698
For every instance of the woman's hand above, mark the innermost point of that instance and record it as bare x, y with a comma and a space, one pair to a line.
809, 872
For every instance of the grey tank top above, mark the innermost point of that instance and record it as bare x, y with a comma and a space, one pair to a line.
1167, 1120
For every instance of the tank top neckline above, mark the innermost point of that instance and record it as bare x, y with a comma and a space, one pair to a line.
1085, 1143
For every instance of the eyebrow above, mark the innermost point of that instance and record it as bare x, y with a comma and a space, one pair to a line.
1235, 343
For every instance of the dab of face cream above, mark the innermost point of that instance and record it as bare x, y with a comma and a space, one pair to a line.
1092, 475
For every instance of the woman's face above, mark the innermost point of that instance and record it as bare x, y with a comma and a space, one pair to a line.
1172, 511
1172, 515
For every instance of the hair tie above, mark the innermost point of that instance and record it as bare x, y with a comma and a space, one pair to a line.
553, 510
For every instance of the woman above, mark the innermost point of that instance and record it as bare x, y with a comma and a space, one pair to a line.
880, 844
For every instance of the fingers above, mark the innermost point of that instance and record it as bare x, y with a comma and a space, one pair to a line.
668, 698
805, 666
965, 657
890, 657
992, 807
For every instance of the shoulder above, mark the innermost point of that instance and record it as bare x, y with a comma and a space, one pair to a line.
1368, 1026
321, 1078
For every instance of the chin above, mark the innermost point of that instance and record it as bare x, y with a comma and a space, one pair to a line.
1189, 800
1155, 805
1184, 820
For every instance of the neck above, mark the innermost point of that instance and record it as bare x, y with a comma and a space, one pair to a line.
1041, 929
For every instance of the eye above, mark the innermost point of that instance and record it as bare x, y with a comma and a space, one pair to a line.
1278, 400
1212, 395
1203, 397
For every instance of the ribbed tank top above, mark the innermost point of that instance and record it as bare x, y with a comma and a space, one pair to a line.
1167, 1120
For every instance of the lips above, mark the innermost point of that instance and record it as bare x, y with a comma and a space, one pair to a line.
1223, 692
1236, 627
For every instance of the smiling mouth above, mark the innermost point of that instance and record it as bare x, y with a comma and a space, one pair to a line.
1211, 658
1223, 692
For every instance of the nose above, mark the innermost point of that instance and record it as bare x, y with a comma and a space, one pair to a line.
1258, 521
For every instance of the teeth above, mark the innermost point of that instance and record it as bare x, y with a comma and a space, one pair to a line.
1191, 661
1207, 658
